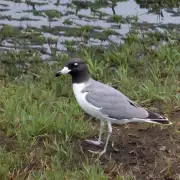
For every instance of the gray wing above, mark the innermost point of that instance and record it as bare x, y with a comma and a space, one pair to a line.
113, 103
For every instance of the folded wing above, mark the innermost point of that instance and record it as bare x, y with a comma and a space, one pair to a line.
112, 102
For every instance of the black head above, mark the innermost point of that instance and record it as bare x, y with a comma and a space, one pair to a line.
77, 68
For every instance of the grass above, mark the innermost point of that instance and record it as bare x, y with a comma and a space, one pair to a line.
42, 126
52, 14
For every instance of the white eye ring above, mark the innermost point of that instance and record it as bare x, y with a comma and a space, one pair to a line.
76, 64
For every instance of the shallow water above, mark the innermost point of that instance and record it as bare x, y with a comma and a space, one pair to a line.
80, 22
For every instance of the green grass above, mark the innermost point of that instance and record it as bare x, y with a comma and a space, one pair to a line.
53, 14
41, 125
42, 128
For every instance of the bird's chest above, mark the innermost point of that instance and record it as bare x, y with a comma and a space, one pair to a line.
81, 99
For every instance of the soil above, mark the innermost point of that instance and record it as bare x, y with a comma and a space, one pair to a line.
146, 152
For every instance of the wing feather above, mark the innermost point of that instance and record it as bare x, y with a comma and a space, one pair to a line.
114, 104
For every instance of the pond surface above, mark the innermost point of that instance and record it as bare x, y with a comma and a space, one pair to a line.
49, 25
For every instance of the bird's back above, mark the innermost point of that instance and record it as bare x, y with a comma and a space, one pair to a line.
114, 104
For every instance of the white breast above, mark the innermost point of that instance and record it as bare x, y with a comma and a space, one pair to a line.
84, 104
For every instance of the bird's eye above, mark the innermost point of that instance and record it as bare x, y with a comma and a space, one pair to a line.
75, 64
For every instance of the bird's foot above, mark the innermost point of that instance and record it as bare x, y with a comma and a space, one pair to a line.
97, 143
98, 152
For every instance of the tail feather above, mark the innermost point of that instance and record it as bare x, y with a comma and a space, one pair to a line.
157, 118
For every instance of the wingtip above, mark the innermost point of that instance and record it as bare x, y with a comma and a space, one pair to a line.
162, 121
155, 117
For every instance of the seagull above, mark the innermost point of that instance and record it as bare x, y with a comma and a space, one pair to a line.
104, 102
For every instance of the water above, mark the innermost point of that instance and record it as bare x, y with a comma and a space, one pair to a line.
65, 22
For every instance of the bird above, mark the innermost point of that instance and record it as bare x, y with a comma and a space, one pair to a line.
104, 102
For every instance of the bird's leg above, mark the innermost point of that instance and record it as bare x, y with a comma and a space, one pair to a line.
107, 139
101, 130
98, 142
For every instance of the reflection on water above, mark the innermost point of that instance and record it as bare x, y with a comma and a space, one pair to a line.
48, 24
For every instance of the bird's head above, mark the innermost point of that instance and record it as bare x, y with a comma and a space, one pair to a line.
77, 68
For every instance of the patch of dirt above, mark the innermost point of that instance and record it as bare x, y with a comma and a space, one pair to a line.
7, 142
146, 151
